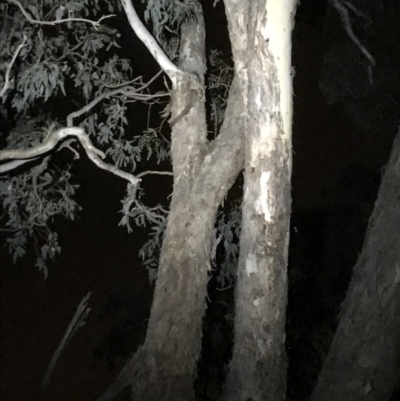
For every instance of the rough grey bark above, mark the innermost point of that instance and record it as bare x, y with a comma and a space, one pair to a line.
363, 363
258, 368
163, 369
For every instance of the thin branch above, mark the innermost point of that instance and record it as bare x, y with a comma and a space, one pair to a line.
356, 11
148, 40
123, 84
90, 105
144, 86
8, 72
95, 24
105, 95
14, 164
67, 144
93, 154
154, 172
52, 140
344, 15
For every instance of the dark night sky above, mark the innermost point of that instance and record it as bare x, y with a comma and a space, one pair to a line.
101, 257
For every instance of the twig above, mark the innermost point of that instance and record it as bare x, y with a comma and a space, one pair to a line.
344, 15
105, 95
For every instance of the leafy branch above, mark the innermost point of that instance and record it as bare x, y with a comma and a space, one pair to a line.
59, 20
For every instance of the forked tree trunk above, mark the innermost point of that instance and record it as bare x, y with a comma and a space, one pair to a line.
364, 360
163, 369
168, 359
258, 367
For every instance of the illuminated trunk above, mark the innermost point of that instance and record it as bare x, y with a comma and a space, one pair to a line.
258, 367
164, 368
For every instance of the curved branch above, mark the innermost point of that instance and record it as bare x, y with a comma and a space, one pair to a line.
49, 143
94, 154
148, 40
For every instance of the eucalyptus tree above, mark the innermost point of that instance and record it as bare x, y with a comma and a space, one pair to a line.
48, 47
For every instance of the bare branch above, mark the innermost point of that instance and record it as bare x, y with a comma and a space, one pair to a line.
95, 24
344, 15
8, 72
13, 165
154, 48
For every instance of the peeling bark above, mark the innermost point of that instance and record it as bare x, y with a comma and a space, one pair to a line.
364, 360
258, 367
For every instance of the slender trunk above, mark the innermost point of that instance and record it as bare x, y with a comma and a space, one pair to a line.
364, 360
258, 367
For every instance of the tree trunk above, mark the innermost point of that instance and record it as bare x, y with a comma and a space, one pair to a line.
168, 359
173, 337
258, 367
364, 360
163, 369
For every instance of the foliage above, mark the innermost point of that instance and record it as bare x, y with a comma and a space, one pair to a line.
150, 251
31, 200
73, 62
151, 143
70, 61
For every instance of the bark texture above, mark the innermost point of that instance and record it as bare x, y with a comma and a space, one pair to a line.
258, 367
163, 369
364, 360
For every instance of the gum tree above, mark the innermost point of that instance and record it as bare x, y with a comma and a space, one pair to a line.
54, 47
